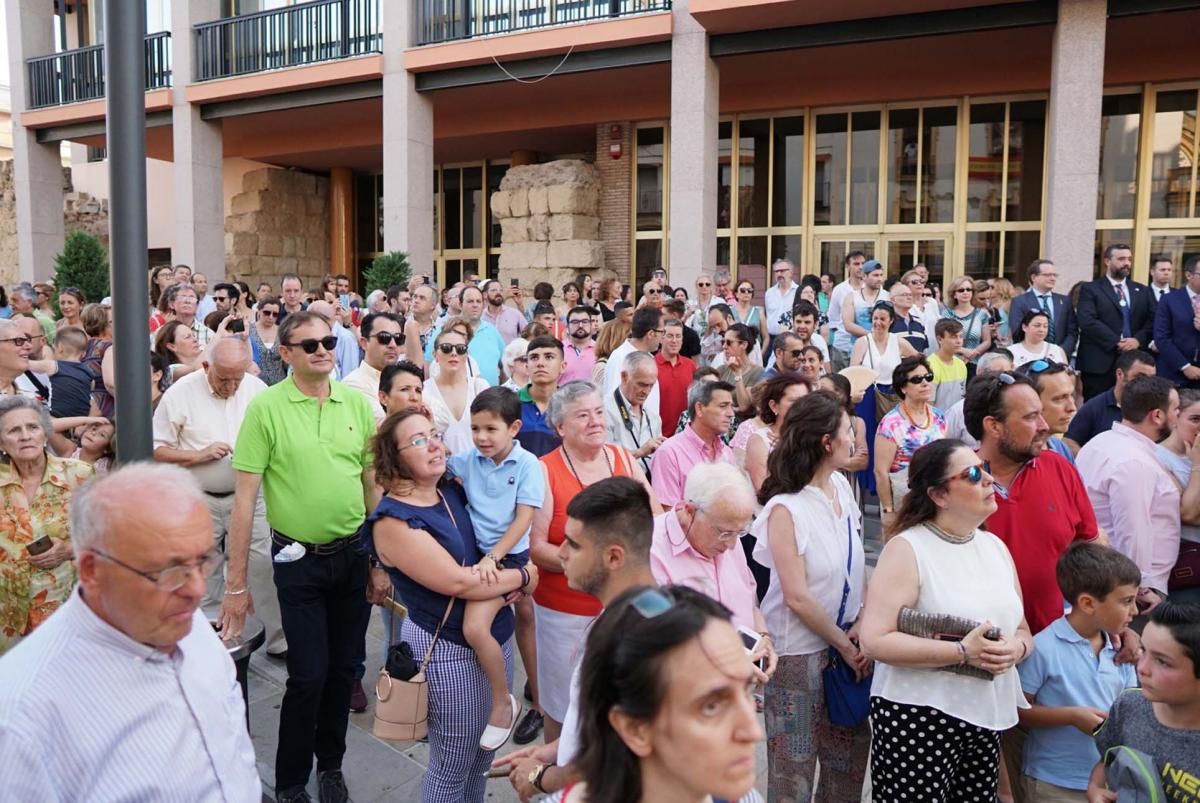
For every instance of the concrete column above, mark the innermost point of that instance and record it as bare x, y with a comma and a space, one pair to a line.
695, 93
1073, 166
199, 196
37, 168
407, 148
341, 224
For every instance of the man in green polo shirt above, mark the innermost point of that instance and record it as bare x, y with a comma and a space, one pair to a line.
306, 442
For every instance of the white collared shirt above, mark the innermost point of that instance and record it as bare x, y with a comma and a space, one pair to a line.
190, 416
87, 713
776, 302
365, 380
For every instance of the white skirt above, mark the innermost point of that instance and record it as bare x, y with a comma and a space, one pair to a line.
560, 640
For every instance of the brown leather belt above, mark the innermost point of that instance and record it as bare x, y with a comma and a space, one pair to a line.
330, 548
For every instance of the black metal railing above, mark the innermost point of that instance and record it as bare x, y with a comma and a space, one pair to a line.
448, 20
77, 75
306, 33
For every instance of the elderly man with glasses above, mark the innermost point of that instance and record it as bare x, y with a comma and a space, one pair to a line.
126, 693
697, 543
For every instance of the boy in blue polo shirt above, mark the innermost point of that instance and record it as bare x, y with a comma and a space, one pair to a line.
504, 485
1071, 679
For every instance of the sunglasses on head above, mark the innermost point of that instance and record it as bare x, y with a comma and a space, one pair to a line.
453, 348
310, 344
973, 475
1041, 366
387, 338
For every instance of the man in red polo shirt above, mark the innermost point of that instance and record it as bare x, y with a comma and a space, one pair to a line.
1042, 505
674, 376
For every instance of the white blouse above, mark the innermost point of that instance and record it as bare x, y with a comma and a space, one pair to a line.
456, 433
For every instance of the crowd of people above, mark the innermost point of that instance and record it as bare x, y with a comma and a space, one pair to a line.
658, 499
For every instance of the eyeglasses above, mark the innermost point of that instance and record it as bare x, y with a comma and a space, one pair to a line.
23, 340
174, 577
310, 344
660, 332
728, 536
387, 338
453, 348
920, 380
973, 475
652, 602
580, 322
421, 441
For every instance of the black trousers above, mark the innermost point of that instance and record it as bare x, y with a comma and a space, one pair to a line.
1095, 384
323, 603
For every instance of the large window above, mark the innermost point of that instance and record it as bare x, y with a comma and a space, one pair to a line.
650, 202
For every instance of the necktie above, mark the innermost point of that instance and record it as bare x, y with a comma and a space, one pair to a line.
1046, 308
1125, 330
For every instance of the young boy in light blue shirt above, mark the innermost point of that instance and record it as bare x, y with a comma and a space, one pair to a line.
1071, 678
504, 485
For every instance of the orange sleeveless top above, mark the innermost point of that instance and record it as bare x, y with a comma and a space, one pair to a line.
552, 591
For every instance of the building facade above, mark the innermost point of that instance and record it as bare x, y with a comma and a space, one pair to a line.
970, 135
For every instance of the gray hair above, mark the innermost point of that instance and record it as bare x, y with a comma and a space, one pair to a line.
635, 360
701, 392
709, 483
566, 396
722, 277
25, 290
373, 296
9, 323
9, 404
210, 351
97, 506
987, 362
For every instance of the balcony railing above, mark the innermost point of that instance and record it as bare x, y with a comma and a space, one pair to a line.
306, 33
449, 20
78, 75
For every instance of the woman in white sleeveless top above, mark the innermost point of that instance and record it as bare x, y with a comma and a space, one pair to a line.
937, 732
449, 394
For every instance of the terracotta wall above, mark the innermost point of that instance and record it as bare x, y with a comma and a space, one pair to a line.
616, 194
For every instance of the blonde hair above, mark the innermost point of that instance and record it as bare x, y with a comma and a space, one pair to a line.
612, 335
1002, 291
952, 288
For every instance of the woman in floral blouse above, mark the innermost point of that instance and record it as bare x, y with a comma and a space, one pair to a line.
35, 492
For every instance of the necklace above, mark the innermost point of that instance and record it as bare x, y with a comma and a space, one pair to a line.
571, 464
913, 421
949, 538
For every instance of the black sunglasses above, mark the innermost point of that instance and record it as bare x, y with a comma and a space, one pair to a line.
973, 475
310, 345
453, 348
919, 380
387, 338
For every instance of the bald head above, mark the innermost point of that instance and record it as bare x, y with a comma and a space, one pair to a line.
101, 509
324, 309
225, 365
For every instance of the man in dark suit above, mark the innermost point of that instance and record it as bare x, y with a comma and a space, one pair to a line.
1177, 330
1115, 314
1041, 296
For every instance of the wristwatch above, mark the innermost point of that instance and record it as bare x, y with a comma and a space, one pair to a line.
536, 774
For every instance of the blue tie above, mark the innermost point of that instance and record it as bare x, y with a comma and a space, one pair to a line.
1126, 331
1049, 316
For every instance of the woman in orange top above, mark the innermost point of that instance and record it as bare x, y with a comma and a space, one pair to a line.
562, 614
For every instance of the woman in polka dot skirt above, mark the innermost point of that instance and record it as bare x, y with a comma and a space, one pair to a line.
936, 733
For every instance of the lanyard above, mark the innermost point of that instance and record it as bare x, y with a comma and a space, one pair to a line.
628, 422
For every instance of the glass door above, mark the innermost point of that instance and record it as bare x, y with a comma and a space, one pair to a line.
900, 254
1179, 247
829, 253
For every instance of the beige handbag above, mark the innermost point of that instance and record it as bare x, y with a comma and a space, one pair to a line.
402, 706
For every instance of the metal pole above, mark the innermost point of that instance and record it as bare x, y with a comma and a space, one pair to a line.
125, 55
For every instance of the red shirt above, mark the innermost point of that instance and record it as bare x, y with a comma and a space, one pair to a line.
673, 382
1044, 510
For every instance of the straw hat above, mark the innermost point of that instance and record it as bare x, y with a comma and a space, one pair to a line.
861, 377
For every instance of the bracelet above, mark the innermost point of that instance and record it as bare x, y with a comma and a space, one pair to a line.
524, 577
541, 775
963, 651
229, 593
1024, 651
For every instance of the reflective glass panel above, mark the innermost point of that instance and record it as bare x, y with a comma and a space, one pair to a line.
452, 207
1102, 241
981, 254
937, 164
903, 125
1026, 155
985, 165
724, 174
1119, 126
650, 179
472, 200
752, 261
754, 164
864, 167
829, 203
1020, 250
789, 172
1179, 248
1174, 154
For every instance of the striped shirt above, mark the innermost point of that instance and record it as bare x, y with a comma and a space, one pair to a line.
86, 713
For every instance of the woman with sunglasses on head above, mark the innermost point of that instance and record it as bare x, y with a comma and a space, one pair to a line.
939, 562
909, 426
449, 393
739, 369
747, 312
809, 535
1029, 341
264, 340
962, 306
666, 704
421, 532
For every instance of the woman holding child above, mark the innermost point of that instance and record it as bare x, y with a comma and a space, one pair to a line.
423, 535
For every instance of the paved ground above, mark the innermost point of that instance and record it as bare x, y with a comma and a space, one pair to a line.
376, 770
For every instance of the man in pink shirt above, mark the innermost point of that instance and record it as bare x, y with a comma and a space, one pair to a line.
696, 544
700, 442
507, 320
1135, 497
579, 352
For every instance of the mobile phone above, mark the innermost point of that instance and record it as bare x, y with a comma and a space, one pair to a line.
424, 280
39, 546
751, 640
514, 282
